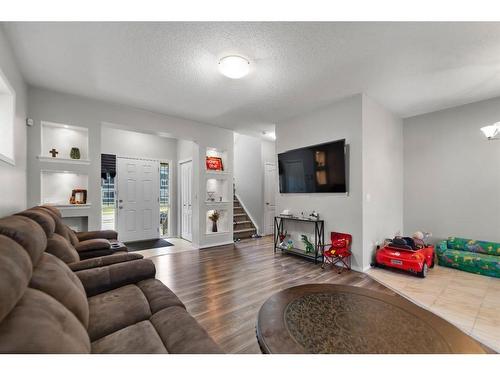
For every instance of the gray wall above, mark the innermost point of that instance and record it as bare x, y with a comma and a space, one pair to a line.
382, 176
341, 212
452, 173
13, 177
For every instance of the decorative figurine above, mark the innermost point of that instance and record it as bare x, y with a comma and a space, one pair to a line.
214, 216
289, 245
211, 196
54, 152
282, 237
309, 245
74, 153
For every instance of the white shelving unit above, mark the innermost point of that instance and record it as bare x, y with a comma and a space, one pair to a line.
56, 187
63, 138
50, 159
222, 223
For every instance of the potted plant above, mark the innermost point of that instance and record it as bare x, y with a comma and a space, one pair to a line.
214, 216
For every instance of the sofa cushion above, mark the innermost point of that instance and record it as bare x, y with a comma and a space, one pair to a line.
60, 247
60, 227
135, 339
72, 237
26, 233
42, 218
116, 309
483, 264
15, 273
103, 261
40, 324
95, 244
54, 277
158, 295
181, 333
483, 247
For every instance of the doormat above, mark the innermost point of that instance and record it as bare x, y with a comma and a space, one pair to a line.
147, 244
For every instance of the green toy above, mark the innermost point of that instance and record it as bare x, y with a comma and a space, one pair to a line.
309, 245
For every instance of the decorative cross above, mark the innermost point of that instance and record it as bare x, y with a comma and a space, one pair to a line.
54, 152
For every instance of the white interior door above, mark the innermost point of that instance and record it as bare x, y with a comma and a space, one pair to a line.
138, 192
269, 197
186, 203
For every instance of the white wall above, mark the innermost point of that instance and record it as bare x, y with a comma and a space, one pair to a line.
382, 176
452, 173
341, 212
76, 110
13, 177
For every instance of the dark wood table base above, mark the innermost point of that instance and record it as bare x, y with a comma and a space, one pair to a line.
329, 318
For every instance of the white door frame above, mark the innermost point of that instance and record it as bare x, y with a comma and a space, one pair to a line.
117, 183
265, 229
179, 196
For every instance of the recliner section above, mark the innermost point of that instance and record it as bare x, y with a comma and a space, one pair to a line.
106, 306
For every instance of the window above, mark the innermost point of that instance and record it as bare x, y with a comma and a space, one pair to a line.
108, 213
164, 198
7, 109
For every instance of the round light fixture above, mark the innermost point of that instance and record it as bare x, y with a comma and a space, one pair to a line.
491, 131
234, 67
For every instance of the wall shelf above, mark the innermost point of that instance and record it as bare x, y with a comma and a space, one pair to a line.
209, 203
71, 206
217, 233
50, 159
56, 187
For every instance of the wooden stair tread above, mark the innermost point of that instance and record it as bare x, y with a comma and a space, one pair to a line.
244, 230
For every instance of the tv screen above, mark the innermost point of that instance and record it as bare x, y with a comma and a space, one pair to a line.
314, 169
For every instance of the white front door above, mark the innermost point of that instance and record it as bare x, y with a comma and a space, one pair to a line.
138, 192
269, 197
186, 203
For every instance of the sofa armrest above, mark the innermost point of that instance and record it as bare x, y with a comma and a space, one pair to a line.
94, 244
101, 279
441, 247
106, 234
103, 261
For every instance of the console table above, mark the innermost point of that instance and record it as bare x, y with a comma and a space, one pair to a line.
319, 237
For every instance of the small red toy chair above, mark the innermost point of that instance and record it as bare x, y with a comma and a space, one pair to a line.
339, 251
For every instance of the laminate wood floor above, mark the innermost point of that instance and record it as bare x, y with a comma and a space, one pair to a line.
224, 287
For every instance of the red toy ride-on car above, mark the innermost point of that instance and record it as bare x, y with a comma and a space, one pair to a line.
407, 254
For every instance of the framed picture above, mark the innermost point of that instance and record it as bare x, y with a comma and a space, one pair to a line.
214, 163
78, 196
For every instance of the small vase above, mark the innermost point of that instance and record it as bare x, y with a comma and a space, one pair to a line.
75, 153
214, 226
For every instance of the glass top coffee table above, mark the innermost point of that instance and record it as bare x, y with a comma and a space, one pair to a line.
330, 318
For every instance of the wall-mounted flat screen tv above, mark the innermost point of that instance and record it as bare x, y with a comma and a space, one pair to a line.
314, 169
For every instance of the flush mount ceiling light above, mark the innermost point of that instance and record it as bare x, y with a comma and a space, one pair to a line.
234, 67
491, 131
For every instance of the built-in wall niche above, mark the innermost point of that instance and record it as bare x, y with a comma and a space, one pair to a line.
216, 161
77, 223
61, 139
218, 191
57, 186
222, 222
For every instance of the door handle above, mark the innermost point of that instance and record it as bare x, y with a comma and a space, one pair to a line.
120, 207
267, 203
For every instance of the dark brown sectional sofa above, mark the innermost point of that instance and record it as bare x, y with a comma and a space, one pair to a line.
111, 304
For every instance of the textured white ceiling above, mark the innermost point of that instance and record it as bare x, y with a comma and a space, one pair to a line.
410, 68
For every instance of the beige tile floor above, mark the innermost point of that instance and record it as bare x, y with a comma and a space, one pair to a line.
469, 301
180, 245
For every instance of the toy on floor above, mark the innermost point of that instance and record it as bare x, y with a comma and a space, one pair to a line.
410, 254
309, 245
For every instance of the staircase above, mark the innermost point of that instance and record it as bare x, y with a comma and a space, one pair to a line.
242, 225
